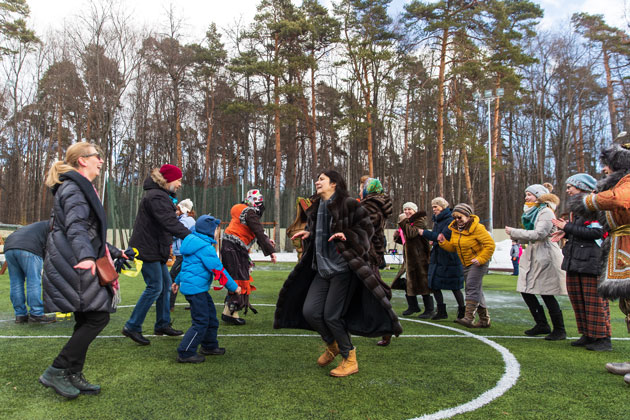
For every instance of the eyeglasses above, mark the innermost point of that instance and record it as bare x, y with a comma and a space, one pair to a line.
458, 217
98, 155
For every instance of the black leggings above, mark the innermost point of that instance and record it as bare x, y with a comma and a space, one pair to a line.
88, 325
550, 301
459, 297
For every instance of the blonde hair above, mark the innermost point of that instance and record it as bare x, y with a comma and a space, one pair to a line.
70, 163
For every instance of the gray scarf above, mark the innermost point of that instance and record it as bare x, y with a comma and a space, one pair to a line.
328, 261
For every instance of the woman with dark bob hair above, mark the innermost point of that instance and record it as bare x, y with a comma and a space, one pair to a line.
333, 288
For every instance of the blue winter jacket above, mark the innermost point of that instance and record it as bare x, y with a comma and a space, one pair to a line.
199, 265
445, 268
187, 221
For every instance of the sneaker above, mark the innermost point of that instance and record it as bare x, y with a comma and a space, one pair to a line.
41, 319
217, 351
231, 320
618, 368
84, 387
600, 344
58, 380
197, 358
168, 330
582, 341
21, 319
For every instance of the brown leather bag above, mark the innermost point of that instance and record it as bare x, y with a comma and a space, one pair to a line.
105, 269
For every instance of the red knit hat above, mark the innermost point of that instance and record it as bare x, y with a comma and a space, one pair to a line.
171, 172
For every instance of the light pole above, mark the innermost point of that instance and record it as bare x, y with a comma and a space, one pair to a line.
489, 96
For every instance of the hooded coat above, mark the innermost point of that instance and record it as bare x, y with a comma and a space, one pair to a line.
200, 264
540, 269
78, 233
416, 251
445, 268
369, 312
156, 222
379, 207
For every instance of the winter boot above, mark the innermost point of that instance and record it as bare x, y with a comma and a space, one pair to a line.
469, 316
441, 312
348, 365
461, 311
429, 307
332, 350
558, 332
600, 344
58, 380
484, 318
84, 387
412, 305
582, 341
541, 327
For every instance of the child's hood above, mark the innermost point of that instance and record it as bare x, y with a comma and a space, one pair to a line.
194, 242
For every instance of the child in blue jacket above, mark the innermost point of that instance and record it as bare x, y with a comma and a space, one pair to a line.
200, 265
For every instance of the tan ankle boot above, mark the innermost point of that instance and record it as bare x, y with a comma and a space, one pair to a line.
348, 366
484, 318
469, 316
332, 350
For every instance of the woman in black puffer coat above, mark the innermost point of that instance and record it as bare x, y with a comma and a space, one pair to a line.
582, 255
78, 237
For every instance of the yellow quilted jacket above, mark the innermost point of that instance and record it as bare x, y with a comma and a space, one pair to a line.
475, 242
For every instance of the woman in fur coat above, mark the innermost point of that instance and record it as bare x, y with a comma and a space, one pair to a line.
582, 254
612, 201
539, 266
334, 286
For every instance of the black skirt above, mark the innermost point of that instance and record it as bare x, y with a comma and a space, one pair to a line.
236, 260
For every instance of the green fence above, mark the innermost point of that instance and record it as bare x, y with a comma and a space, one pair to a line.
121, 204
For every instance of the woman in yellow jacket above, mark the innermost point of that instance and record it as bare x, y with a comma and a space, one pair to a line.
475, 247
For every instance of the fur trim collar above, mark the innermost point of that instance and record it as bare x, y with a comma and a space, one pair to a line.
158, 178
611, 180
551, 199
576, 206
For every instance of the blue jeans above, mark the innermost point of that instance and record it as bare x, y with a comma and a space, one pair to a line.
24, 265
204, 325
158, 290
515, 265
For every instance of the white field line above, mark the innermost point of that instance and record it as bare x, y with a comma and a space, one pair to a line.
507, 381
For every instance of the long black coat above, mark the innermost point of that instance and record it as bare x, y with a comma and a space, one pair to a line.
79, 232
369, 312
581, 253
445, 268
156, 222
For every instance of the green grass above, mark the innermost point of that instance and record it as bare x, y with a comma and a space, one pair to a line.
277, 377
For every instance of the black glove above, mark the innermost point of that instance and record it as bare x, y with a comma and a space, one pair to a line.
121, 263
129, 252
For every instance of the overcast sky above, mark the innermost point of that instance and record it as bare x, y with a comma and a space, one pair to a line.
198, 14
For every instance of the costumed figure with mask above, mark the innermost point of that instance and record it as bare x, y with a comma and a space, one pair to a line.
243, 231
612, 201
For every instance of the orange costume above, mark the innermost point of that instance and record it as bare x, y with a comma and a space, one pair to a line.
243, 230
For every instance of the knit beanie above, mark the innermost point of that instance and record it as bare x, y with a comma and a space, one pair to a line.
410, 205
583, 182
463, 208
537, 190
171, 172
185, 206
374, 186
439, 201
207, 224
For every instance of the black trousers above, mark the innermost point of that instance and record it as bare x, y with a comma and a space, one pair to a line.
324, 306
88, 325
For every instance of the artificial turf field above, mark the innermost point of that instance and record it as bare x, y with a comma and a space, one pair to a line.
272, 374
